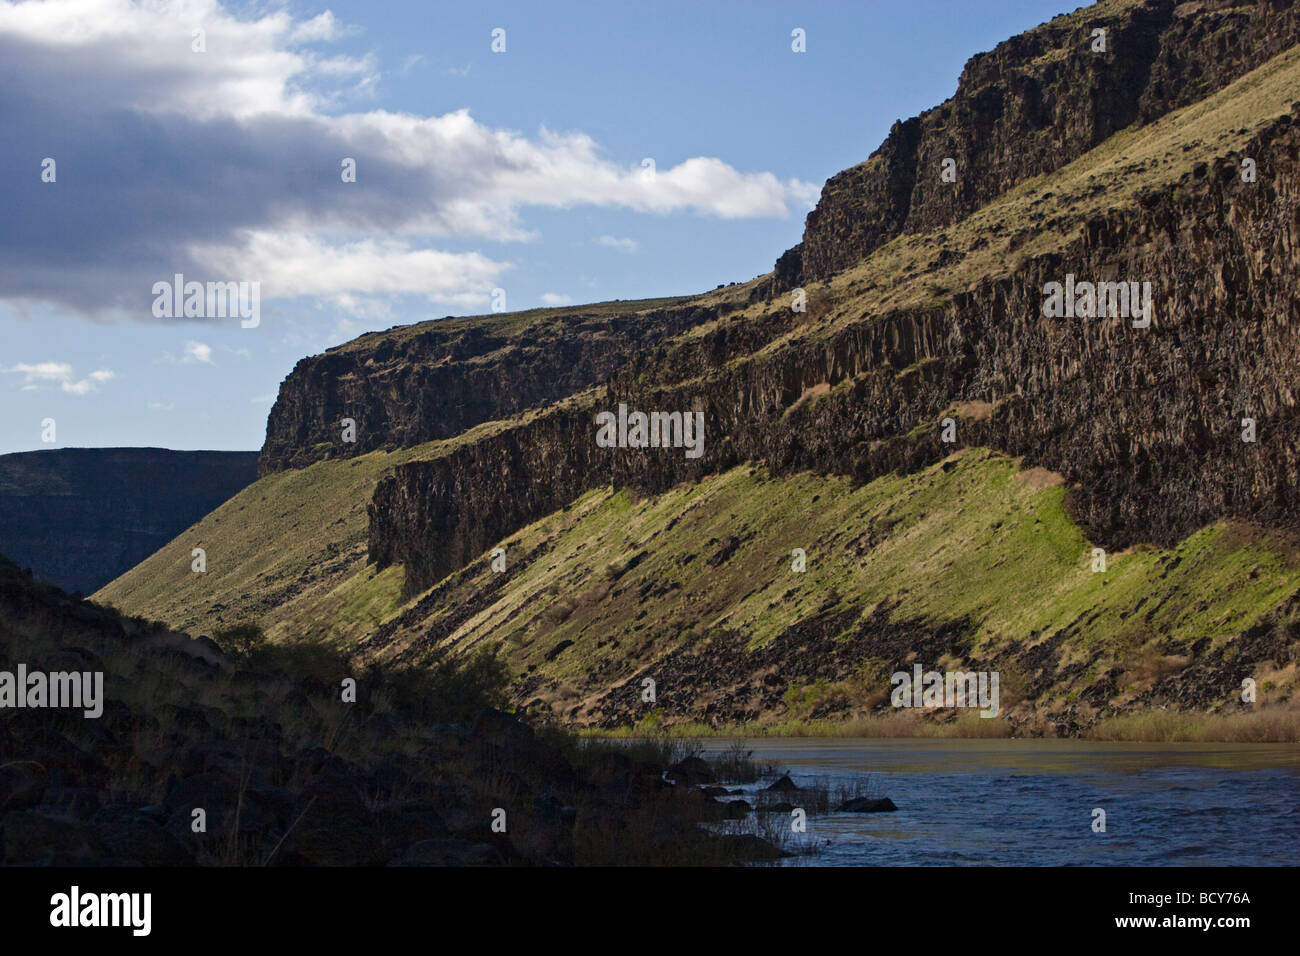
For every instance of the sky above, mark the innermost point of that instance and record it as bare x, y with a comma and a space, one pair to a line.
544, 153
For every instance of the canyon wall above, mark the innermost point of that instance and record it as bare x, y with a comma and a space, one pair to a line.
406, 389
1030, 106
1146, 424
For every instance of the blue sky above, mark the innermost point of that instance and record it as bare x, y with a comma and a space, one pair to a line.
520, 170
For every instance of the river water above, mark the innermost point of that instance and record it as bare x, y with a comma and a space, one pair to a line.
1031, 802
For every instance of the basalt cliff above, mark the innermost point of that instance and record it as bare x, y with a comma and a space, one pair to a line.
907, 457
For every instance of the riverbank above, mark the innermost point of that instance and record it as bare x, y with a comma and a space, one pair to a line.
1275, 724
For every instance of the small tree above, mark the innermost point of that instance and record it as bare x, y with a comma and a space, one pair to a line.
242, 640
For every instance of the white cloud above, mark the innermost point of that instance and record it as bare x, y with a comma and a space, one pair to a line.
194, 353
554, 298
293, 264
623, 245
198, 352
60, 373
43, 371
215, 129
247, 70
89, 383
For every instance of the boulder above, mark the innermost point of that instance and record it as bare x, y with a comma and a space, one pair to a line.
784, 785
866, 805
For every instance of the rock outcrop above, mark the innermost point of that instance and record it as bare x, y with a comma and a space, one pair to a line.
433, 381
1145, 423
925, 332
1030, 106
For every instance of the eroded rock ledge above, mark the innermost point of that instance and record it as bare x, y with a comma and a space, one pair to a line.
1144, 423
1030, 106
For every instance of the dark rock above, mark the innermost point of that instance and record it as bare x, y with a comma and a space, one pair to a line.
451, 852
29, 837
1016, 94
747, 847
737, 809
690, 771
132, 837
783, 785
555, 651
402, 825
77, 803
333, 833
866, 805
468, 372
229, 805
22, 785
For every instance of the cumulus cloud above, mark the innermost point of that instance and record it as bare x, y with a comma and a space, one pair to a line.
225, 165
623, 245
61, 374
198, 352
194, 353
42, 371
556, 298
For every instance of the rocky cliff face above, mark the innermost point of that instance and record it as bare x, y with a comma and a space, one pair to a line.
1030, 106
79, 517
1145, 423
435, 382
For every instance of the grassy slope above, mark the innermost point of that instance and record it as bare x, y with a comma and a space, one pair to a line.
280, 544
265, 547
971, 538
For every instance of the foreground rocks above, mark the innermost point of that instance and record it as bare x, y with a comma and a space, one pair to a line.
202, 757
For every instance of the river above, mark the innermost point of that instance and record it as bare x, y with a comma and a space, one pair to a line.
1032, 802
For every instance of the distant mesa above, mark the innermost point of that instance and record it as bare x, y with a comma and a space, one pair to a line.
79, 517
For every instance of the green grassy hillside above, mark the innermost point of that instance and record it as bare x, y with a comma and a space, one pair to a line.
973, 544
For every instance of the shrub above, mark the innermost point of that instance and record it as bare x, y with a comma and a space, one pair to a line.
242, 640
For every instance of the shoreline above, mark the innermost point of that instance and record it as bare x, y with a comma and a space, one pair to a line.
1274, 725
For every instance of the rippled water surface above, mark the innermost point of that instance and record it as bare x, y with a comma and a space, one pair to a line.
1030, 802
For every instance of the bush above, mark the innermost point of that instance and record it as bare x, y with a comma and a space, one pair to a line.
448, 689
242, 641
